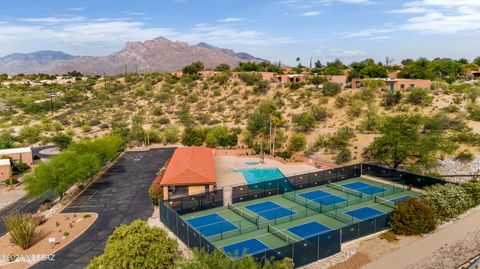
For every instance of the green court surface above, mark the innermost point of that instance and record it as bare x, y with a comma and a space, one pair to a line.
273, 220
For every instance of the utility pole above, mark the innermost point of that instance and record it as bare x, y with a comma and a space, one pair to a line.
310, 62
270, 133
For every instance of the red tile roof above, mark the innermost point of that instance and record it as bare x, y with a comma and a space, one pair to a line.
190, 166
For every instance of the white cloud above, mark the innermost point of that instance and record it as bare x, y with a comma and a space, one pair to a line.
368, 32
102, 36
311, 13
441, 16
340, 53
52, 20
231, 19
77, 8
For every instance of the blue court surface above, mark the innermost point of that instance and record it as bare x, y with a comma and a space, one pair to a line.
249, 247
309, 229
322, 197
364, 188
364, 213
270, 210
212, 224
400, 198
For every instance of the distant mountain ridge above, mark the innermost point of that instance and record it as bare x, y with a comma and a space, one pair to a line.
156, 55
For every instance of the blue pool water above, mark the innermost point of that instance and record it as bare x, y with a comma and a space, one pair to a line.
254, 176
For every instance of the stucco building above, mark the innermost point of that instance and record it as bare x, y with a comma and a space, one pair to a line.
191, 170
396, 83
5, 169
18, 154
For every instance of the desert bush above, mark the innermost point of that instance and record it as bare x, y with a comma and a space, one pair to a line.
343, 156
389, 236
62, 140
447, 201
473, 112
331, 89
137, 246
156, 190
21, 228
297, 142
472, 188
411, 217
419, 96
284, 154
306, 121
465, 156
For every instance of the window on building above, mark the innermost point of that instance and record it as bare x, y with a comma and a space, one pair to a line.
412, 86
402, 86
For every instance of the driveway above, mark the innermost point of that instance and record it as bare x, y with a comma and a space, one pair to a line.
119, 196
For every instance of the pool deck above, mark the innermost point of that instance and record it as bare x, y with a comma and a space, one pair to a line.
226, 176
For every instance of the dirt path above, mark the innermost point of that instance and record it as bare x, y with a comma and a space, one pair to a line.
422, 253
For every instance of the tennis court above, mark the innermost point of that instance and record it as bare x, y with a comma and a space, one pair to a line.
211, 224
364, 188
270, 210
364, 213
309, 229
322, 197
265, 224
248, 247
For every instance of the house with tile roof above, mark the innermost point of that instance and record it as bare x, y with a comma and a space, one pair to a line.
191, 170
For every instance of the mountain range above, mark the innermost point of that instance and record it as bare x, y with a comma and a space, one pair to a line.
159, 54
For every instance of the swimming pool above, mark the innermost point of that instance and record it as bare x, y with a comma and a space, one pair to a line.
253, 176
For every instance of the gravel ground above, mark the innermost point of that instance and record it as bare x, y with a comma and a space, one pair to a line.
450, 166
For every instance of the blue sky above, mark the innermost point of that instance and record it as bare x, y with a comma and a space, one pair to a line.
272, 29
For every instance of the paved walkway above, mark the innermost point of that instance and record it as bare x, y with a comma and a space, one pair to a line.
423, 248
119, 196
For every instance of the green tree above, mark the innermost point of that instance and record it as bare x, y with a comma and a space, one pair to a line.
297, 142
171, 134
392, 98
62, 140
217, 260
259, 120
222, 68
194, 136
306, 121
317, 80
137, 246
402, 141
193, 68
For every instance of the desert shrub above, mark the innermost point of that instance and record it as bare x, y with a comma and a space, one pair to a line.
62, 140
447, 201
331, 89
411, 216
389, 236
171, 134
284, 154
250, 78
137, 246
319, 112
306, 121
156, 190
297, 142
473, 112
419, 97
343, 156
391, 98
20, 167
21, 228
465, 156
340, 101
218, 260
472, 188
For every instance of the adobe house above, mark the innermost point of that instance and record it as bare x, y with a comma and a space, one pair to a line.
4, 169
338, 79
397, 83
18, 154
191, 170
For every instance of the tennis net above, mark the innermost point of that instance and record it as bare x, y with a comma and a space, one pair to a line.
343, 189
278, 233
385, 202
244, 214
